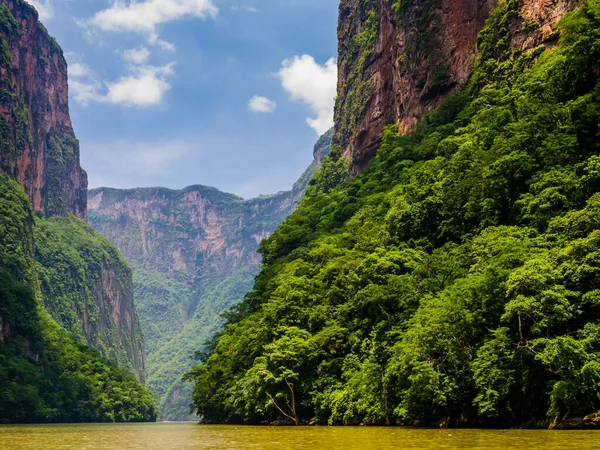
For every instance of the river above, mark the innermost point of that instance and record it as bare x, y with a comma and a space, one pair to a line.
166, 436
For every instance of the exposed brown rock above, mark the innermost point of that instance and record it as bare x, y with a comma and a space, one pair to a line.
423, 51
38, 148
141, 223
37, 143
592, 420
117, 300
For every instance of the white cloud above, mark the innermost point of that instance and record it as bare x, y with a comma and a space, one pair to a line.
314, 84
137, 55
84, 90
245, 8
144, 16
78, 69
145, 87
261, 104
45, 8
155, 40
82, 84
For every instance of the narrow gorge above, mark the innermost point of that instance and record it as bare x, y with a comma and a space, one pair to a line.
441, 270
437, 264
194, 256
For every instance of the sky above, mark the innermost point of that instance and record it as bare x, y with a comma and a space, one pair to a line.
225, 93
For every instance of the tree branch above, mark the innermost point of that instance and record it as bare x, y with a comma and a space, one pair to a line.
281, 410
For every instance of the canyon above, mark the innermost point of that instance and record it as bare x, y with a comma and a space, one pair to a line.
194, 256
85, 285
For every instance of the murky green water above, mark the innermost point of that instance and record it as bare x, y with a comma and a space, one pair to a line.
192, 436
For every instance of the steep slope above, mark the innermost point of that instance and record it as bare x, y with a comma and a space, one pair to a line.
193, 254
38, 146
62, 286
45, 375
398, 59
455, 280
86, 286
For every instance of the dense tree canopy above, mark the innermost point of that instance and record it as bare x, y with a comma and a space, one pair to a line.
456, 280
46, 374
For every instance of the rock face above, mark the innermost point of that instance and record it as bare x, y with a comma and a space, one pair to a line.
195, 221
194, 255
399, 59
85, 284
87, 287
37, 145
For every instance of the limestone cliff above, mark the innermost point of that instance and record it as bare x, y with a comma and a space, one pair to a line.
194, 255
399, 59
85, 284
87, 287
38, 146
168, 229
46, 374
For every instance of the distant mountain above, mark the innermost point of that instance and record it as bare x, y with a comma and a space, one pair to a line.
194, 255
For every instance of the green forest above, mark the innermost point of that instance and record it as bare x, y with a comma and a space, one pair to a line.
47, 374
72, 259
455, 281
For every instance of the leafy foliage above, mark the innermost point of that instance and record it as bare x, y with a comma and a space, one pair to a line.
46, 375
183, 272
455, 280
73, 261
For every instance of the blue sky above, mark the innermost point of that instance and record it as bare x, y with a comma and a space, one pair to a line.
225, 93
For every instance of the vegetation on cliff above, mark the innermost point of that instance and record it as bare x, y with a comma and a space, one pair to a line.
46, 373
193, 254
454, 281
85, 283
37, 143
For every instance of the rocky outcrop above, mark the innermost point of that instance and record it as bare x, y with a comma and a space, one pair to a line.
118, 324
592, 420
399, 59
37, 143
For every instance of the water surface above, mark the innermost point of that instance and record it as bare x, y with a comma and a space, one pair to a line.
166, 436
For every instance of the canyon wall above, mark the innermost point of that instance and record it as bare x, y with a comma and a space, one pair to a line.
85, 284
38, 146
399, 59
